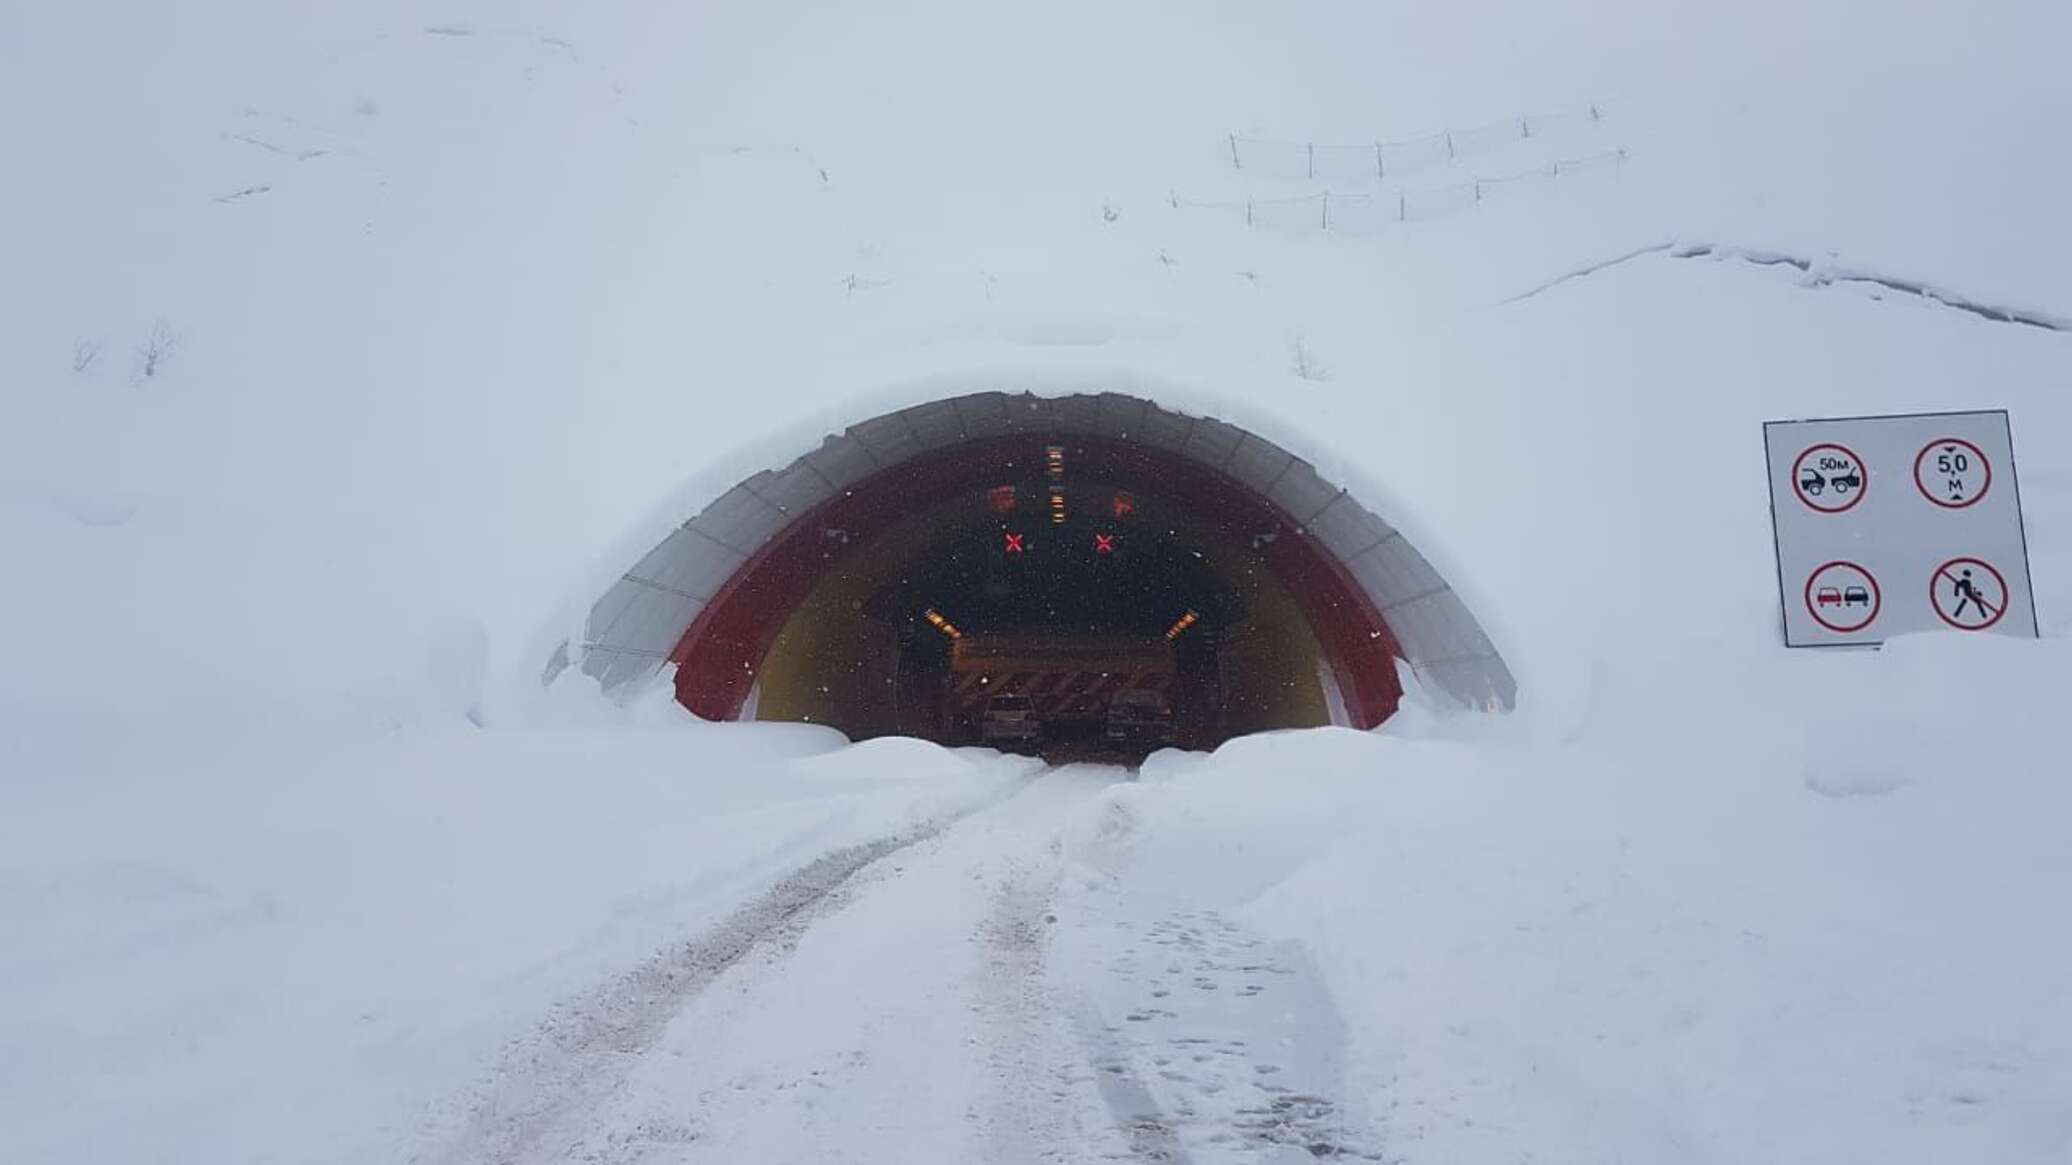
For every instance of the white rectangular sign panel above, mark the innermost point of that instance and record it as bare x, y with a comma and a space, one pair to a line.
1886, 525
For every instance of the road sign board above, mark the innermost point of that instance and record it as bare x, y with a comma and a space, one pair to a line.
1861, 557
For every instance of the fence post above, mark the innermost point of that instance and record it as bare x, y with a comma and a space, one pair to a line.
1524, 127
1248, 212
1402, 207
1234, 163
1594, 115
1312, 148
1449, 145
1379, 172
1174, 196
1327, 210
1478, 190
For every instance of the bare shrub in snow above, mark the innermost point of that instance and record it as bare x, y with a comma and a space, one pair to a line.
84, 352
156, 349
1306, 365
855, 283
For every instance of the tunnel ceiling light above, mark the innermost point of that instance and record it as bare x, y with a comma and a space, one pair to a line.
1057, 505
1182, 624
941, 624
1054, 460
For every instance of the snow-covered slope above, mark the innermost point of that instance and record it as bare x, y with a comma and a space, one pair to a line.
458, 303
450, 310
1694, 939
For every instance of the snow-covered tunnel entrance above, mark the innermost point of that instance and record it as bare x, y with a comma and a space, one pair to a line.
1065, 549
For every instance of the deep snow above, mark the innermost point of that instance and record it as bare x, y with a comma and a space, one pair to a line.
1687, 941
460, 309
297, 957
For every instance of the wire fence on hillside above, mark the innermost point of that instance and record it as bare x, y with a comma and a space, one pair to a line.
1361, 212
1282, 158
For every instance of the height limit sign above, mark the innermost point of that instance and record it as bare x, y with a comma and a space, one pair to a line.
1886, 525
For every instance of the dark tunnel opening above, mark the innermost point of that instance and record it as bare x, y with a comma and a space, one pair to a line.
1129, 602
1068, 583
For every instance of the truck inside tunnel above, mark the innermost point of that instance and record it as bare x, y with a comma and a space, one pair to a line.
1082, 575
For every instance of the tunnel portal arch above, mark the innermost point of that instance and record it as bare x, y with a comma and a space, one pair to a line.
718, 592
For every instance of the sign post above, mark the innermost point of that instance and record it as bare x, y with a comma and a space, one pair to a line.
1886, 525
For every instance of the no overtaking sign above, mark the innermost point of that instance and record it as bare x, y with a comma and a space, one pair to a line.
1886, 525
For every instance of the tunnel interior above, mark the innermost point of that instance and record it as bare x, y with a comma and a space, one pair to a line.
1059, 569
1072, 573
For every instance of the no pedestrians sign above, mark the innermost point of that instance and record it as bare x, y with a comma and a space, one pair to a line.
1892, 524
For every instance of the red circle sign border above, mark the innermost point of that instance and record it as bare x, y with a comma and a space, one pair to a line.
1861, 490
2005, 595
1877, 595
1982, 460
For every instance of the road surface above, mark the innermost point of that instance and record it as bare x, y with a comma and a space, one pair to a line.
995, 988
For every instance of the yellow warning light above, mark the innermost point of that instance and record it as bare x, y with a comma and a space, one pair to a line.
1057, 505
1182, 624
941, 624
1054, 460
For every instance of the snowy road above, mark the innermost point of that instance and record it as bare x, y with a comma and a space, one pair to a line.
990, 990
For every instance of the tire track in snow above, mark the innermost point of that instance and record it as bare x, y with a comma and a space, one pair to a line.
1211, 1043
1043, 1108
579, 1054
1150, 1132
1063, 1086
913, 1024
1015, 939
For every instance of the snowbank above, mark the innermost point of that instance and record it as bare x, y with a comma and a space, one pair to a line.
1676, 938
294, 956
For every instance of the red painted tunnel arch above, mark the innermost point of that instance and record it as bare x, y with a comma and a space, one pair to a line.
719, 655
714, 594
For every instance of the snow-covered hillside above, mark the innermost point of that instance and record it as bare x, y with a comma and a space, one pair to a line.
346, 354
